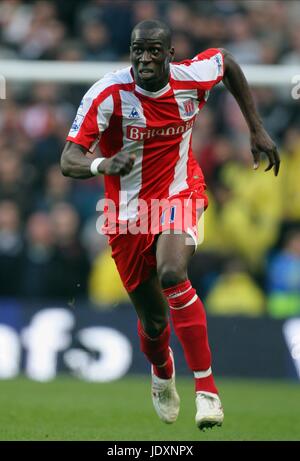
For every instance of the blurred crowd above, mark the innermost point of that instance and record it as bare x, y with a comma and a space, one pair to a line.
249, 262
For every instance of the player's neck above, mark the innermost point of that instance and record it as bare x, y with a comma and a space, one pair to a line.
153, 86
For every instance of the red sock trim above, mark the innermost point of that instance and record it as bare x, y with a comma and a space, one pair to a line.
180, 295
181, 287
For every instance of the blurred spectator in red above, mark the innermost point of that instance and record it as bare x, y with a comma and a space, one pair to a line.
10, 118
213, 156
40, 118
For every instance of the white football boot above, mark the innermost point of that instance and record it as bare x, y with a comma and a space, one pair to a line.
209, 410
165, 399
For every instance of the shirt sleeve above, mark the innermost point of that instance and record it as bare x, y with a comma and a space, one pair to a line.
92, 117
204, 71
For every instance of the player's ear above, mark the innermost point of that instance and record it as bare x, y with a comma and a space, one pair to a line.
172, 54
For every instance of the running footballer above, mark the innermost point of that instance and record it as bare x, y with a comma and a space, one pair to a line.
142, 118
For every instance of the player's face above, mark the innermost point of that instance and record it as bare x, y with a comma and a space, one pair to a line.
150, 56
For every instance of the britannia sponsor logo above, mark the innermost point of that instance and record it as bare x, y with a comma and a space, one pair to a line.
137, 133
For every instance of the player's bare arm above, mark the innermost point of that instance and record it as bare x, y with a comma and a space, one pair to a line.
235, 81
75, 164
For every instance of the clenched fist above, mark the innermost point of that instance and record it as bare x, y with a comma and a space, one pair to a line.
119, 165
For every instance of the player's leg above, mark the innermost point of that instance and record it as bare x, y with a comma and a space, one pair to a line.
135, 259
187, 311
153, 324
189, 320
154, 334
150, 305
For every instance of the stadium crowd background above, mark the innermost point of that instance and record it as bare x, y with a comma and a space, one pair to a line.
249, 262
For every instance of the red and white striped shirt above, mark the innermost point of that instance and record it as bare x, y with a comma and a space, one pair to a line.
155, 126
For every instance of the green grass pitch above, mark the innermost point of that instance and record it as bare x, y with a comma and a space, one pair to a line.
70, 409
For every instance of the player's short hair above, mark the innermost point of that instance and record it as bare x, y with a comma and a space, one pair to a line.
150, 24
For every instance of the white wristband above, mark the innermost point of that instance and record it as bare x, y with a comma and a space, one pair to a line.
94, 166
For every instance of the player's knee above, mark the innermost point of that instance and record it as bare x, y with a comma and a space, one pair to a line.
171, 276
154, 328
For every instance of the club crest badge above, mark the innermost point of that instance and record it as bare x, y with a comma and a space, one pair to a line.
189, 107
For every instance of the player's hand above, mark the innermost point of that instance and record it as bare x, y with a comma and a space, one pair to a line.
261, 142
119, 165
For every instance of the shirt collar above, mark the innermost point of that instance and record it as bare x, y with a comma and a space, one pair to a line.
153, 94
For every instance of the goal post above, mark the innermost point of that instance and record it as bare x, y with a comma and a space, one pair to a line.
89, 72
